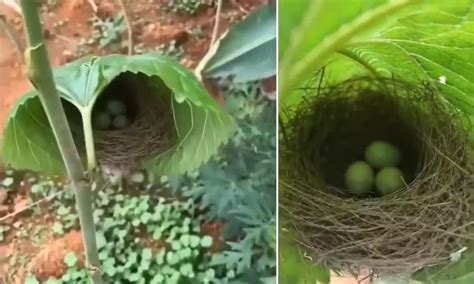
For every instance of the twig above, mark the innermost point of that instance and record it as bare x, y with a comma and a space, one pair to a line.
212, 46
11, 33
93, 5
129, 26
217, 23
67, 39
47, 198
16, 212
242, 9
12, 4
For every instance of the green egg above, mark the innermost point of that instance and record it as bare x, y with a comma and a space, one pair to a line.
359, 178
120, 122
389, 180
102, 121
116, 107
381, 154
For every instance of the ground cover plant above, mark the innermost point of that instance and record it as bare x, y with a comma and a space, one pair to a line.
199, 234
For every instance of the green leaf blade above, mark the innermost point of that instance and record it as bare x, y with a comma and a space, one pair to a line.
246, 51
29, 142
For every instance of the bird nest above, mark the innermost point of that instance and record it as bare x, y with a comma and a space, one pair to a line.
417, 226
151, 130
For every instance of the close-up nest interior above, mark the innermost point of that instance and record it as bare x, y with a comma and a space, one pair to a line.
375, 175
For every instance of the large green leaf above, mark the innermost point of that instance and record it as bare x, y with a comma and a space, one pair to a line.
295, 268
428, 44
29, 140
202, 125
450, 272
247, 51
321, 28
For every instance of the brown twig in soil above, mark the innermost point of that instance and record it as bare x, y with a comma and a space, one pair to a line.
217, 23
13, 36
16, 212
242, 9
93, 5
129, 26
66, 39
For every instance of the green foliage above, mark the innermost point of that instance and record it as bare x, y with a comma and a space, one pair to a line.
145, 237
109, 31
458, 271
169, 49
296, 267
31, 280
411, 40
202, 126
142, 238
370, 40
245, 172
70, 259
187, 6
304, 49
247, 52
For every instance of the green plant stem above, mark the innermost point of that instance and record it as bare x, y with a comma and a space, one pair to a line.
41, 76
89, 140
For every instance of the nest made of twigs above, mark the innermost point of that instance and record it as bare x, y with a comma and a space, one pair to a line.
417, 226
151, 131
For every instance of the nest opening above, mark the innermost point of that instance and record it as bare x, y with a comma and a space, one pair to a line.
394, 234
149, 129
121, 88
356, 122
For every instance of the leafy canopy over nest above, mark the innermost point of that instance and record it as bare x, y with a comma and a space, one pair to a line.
417, 226
151, 130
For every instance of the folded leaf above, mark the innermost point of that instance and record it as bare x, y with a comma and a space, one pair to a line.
201, 123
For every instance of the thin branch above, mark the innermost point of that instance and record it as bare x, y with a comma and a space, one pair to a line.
93, 5
212, 46
129, 26
217, 23
19, 211
242, 9
41, 77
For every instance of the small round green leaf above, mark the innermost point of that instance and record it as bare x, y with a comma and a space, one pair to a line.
70, 259
31, 280
147, 254
206, 242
